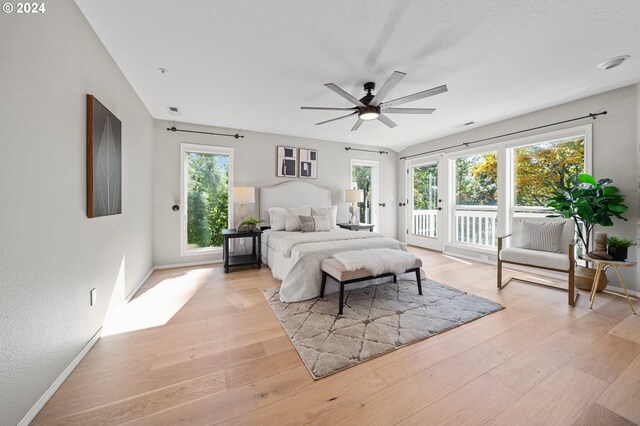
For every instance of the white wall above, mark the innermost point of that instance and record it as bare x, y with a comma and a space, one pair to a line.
51, 253
615, 146
255, 159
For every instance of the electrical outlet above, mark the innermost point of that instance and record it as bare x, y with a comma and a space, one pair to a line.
93, 296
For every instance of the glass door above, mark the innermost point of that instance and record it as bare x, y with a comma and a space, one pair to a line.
424, 205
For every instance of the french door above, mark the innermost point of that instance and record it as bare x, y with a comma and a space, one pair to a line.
425, 203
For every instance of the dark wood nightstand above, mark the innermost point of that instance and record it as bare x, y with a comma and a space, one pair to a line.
255, 258
357, 227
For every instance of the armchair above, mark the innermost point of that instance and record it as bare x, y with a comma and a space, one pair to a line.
516, 253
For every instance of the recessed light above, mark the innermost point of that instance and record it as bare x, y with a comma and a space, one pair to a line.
613, 62
174, 110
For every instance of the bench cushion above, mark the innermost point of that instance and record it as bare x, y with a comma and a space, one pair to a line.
541, 259
337, 270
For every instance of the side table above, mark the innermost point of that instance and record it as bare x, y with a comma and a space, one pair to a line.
255, 258
356, 227
603, 265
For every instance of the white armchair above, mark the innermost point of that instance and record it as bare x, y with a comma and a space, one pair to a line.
515, 253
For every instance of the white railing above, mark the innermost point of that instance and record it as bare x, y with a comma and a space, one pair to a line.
425, 223
476, 225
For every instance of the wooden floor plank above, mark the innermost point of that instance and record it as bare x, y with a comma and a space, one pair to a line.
598, 361
623, 396
597, 415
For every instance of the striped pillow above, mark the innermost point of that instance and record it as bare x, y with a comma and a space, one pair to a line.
543, 236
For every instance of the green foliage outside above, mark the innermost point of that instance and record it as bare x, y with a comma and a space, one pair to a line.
361, 176
477, 180
208, 195
425, 187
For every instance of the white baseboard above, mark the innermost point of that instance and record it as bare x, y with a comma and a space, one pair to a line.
182, 265
33, 412
137, 287
619, 290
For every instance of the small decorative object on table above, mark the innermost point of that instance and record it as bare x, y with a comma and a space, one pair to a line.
600, 251
618, 248
255, 258
354, 196
250, 224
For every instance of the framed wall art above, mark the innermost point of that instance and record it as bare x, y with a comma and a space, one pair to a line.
308, 163
286, 161
104, 160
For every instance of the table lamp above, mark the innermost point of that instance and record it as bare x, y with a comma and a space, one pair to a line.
243, 195
354, 196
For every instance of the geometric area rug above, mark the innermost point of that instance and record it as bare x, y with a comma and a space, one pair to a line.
377, 319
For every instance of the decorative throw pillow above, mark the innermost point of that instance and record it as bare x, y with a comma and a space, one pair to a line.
277, 218
307, 224
322, 223
543, 236
293, 221
327, 211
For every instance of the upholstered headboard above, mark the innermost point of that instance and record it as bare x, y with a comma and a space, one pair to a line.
293, 193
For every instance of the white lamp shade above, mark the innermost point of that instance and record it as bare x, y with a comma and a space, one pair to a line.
244, 194
355, 196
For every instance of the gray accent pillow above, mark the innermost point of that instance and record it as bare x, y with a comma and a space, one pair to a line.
307, 224
543, 236
322, 222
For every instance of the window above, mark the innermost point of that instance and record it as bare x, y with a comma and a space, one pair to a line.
207, 175
425, 200
476, 199
364, 175
539, 167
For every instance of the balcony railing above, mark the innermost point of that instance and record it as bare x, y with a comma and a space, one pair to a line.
425, 223
476, 225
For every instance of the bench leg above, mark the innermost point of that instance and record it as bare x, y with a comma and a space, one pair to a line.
395, 279
341, 298
419, 281
324, 282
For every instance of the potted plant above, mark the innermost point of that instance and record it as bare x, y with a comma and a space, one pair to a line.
250, 223
589, 203
618, 247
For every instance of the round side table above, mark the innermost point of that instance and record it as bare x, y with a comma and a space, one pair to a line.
603, 265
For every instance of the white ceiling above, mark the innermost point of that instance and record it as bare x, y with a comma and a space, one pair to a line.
251, 64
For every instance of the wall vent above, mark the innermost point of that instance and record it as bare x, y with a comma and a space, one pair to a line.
174, 110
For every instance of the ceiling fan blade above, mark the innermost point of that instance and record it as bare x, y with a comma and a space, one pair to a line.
386, 87
338, 118
408, 110
386, 120
357, 125
344, 94
415, 96
330, 108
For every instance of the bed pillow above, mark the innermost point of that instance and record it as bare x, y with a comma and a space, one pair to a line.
332, 212
307, 224
544, 236
322, 222
277, 218
292, 223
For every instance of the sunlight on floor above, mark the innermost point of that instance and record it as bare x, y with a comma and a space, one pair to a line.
457, 259
157, 305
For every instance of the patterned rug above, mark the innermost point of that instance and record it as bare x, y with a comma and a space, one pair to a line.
376, 320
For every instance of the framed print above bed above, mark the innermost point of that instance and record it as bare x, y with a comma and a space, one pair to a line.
308, 163
286, 161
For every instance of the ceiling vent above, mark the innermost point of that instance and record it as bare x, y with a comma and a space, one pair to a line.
469, 123
613, 62
174, 110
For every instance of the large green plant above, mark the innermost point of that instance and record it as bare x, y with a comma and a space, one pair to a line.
589, 203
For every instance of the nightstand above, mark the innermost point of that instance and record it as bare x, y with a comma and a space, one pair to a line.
255, 258
358, 227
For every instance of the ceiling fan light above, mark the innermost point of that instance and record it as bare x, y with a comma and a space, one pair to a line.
369, 113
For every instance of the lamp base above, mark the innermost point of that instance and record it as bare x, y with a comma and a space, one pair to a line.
354, 219
242, 212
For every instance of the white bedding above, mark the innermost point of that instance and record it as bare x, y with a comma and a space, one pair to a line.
295, 257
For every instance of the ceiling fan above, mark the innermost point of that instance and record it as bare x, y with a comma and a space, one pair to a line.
371, 107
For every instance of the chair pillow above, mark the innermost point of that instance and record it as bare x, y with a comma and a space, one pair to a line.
543, 236
277, 218
327, 211
322, 223
292, 223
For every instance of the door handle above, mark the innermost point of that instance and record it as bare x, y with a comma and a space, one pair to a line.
382, 204
402, 204
439, 208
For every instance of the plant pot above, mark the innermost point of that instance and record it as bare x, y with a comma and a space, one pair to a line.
618, 253
251, 227
584, 279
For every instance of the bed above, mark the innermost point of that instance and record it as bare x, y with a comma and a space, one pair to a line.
295, 257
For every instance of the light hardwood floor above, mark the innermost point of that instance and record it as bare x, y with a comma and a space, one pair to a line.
224, 358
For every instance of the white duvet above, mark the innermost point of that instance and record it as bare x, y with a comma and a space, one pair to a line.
295, 257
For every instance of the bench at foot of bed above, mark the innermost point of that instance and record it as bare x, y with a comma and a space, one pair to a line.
336, 270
